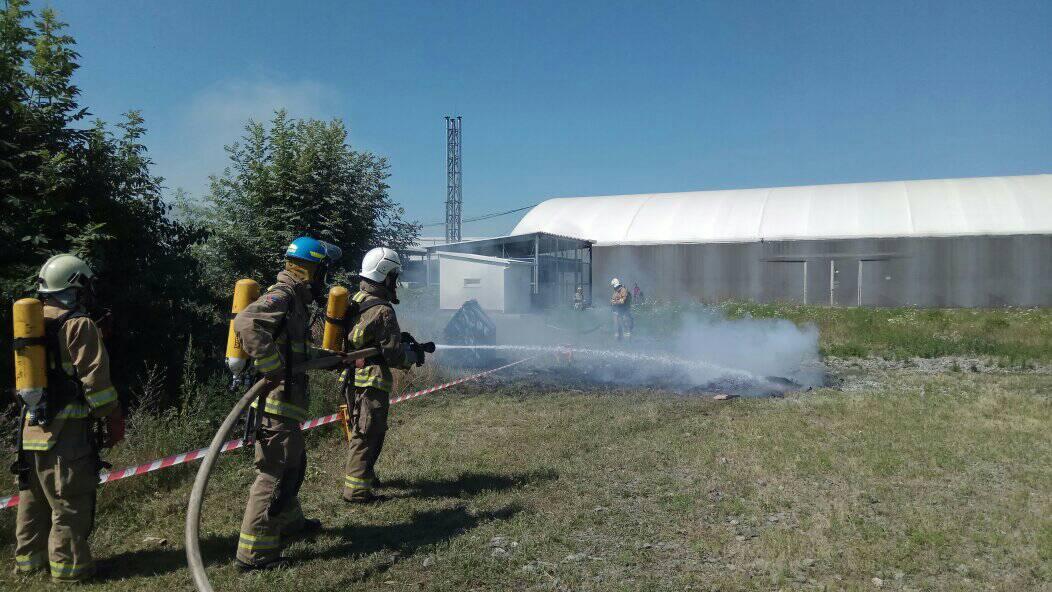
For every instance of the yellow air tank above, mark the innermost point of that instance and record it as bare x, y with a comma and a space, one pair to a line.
30, 366
335, 310
245, 292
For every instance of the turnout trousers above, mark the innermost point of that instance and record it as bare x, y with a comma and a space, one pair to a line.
367, 439
273, 508
57, 511
623, 322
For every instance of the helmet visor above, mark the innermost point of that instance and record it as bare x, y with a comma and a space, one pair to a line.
332, 252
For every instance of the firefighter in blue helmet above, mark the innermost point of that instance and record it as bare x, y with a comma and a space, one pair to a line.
275, 331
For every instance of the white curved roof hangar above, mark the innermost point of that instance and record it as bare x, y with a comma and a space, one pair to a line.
940, 207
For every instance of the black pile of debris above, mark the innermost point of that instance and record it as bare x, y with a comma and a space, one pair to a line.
470, 326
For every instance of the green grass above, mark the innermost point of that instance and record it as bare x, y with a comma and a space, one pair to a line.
1014, 336
928, 482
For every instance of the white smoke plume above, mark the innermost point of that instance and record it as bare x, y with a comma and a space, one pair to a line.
703, 352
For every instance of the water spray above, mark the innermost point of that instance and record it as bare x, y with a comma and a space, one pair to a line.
701, 373
610, 354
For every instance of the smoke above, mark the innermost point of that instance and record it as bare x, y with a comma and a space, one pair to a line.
708, 353
760, 347
700, 351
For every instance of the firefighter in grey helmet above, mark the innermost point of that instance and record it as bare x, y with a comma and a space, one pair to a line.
58, 458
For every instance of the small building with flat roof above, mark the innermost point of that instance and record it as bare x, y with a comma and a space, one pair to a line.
555, 266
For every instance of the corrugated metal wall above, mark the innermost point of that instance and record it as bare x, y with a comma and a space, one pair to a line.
975, 271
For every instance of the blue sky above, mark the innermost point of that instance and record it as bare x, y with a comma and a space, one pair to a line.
588, 98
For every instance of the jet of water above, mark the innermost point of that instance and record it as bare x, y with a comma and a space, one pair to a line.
693, 366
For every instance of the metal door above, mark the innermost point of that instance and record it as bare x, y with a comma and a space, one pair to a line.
876, 283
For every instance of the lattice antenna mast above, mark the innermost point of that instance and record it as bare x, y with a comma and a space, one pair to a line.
454, 169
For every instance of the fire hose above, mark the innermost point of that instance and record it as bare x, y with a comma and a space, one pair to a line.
204, 472
193, 514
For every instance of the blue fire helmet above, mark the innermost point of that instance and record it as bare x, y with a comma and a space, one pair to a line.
310, 249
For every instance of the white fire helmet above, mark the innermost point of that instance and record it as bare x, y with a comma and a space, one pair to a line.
61, 272
615, 283
380, 263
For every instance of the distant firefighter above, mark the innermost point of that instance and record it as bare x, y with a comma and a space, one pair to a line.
578, 298
637, 294
621, 303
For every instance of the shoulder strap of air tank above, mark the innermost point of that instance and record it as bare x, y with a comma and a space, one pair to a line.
60, 396
287, 349
51, 331
371, 303
289, 292
22, 342
360, 303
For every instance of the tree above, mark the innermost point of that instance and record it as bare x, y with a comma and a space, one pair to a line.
64, 188
292, 178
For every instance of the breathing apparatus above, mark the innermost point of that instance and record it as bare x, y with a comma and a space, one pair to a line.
246, 291
68, 282
30, 358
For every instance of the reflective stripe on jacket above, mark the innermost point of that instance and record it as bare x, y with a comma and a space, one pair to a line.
377, 327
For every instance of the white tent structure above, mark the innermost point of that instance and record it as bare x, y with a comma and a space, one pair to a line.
983, 241
943, 207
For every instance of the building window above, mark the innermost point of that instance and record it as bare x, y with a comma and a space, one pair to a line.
472, 282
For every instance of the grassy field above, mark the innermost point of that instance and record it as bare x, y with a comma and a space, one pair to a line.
923, 483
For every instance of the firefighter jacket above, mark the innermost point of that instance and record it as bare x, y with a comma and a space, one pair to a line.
377, 327
85, 360
275, 331
621, 298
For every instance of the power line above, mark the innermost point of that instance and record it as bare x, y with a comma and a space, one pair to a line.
484, 216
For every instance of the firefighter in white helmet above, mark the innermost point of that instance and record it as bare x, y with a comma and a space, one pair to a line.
58, 456
621, 303
376, 326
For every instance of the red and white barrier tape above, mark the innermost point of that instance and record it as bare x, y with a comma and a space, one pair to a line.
439, 387
178, 459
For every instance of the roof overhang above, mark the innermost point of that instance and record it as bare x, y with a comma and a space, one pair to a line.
479, 258
512, 245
